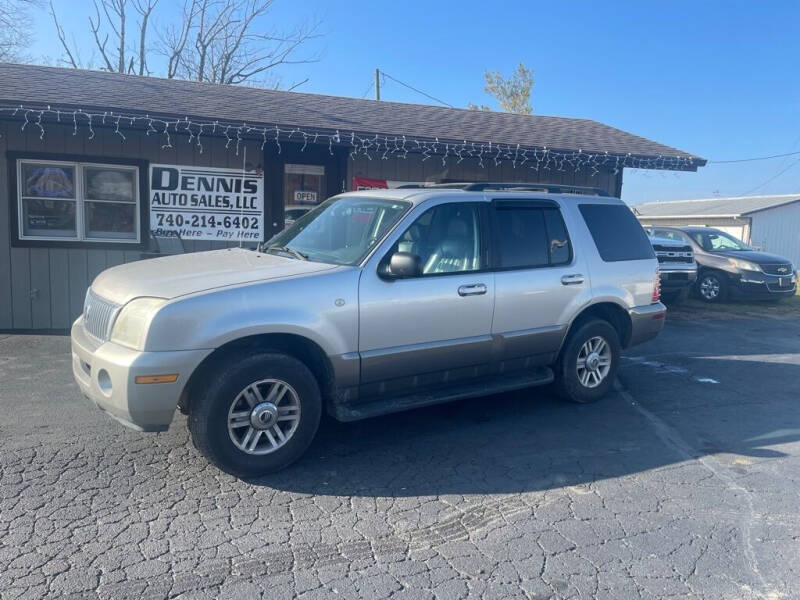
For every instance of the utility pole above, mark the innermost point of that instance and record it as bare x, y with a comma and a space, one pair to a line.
377, 84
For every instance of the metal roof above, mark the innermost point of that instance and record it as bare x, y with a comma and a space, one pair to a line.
713, 207
76, 88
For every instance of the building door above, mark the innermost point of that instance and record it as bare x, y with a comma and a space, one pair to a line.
303, 188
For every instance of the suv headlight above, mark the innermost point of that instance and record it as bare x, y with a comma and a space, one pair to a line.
745, 265
133, 321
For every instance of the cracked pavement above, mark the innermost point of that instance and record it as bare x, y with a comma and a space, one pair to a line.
672, 487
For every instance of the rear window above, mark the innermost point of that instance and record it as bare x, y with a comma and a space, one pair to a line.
616, 232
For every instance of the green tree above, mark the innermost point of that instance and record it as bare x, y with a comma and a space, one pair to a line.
512, 93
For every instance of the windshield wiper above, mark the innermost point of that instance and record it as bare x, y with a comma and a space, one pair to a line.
292, 251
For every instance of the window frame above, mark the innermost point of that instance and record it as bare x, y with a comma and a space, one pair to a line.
498, 204
485, 239
140, 169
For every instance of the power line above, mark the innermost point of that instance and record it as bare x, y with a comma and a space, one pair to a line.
773, 178
369, 89
740, 160
411, 87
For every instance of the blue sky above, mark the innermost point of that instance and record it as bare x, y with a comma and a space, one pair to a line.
715, 78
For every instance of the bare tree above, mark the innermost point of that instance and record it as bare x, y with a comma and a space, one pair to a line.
110, 24
224, 41
218, 41
15, 28
512, 93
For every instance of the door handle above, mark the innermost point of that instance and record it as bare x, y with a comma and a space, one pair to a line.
475, 289
572, 279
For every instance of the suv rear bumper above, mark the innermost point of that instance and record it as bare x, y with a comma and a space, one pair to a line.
646, 322
106, 374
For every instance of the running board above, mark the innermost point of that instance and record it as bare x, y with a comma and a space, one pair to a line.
496, 384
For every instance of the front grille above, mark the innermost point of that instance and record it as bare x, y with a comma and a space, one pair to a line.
667, 254
97, 315
777, 269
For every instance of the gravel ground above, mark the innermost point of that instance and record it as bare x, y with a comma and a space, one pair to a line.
685, 482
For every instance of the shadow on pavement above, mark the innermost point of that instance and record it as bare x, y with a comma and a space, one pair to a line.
529, 440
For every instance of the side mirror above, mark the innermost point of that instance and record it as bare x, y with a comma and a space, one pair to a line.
403, 265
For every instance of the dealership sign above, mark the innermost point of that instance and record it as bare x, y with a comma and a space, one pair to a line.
206, 203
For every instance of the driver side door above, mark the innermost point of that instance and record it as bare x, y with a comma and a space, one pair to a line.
434, 328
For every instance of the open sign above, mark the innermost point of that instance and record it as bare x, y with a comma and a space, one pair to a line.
305, 197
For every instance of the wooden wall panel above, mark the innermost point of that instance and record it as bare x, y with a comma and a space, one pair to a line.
43, 288
40, 288
5, 242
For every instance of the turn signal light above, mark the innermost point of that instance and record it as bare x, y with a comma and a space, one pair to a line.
657, 288
171, 378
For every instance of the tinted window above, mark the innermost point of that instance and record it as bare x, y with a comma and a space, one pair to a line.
531, 237
521, 237
616, 232
558, 240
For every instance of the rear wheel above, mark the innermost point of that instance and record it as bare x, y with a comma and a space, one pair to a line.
588, 364
711, 287
256, 414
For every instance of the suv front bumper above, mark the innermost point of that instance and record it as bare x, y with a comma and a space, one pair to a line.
106, 374
757, 284
676, 277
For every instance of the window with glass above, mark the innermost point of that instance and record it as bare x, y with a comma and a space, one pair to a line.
530, 237
714, 240
71, 201
446, 239
340, 231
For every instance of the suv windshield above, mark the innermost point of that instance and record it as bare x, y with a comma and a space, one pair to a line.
714, 240
340, 231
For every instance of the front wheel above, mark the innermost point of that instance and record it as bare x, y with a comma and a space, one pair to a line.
588, 364
256, 414
711, 287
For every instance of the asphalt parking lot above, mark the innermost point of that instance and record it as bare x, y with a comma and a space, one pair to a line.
683, 483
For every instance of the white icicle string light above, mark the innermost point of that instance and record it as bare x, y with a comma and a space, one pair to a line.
384, 146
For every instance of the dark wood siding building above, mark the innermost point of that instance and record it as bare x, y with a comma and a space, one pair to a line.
77, 150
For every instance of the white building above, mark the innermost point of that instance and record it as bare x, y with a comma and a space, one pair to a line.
769, 223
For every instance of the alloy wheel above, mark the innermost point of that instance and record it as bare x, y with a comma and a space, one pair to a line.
594, 362
264, 416
709, 287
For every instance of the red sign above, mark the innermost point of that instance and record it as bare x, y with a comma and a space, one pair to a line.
364, 183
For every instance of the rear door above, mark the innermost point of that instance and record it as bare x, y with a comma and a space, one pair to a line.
541, 280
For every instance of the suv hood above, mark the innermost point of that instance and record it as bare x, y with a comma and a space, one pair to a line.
180, 274
760, 258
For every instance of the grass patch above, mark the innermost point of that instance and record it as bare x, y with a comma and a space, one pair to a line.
696, 310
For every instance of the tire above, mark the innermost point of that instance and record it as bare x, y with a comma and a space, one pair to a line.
571, 381
234, 404
712, 287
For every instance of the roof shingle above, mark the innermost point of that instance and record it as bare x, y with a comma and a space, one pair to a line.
177, 98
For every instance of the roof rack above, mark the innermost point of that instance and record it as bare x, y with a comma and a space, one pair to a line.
482, 186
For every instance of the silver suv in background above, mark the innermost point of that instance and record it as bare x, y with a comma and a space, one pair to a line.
373, 302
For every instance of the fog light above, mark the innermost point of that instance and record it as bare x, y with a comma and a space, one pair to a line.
104, 382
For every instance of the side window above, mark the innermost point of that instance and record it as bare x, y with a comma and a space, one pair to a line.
616, 232
557, 238
531, 237
446, 238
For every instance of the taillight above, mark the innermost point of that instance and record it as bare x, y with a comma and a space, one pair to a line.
657, 288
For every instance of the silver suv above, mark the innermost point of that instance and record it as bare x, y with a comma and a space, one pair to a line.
373, 302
